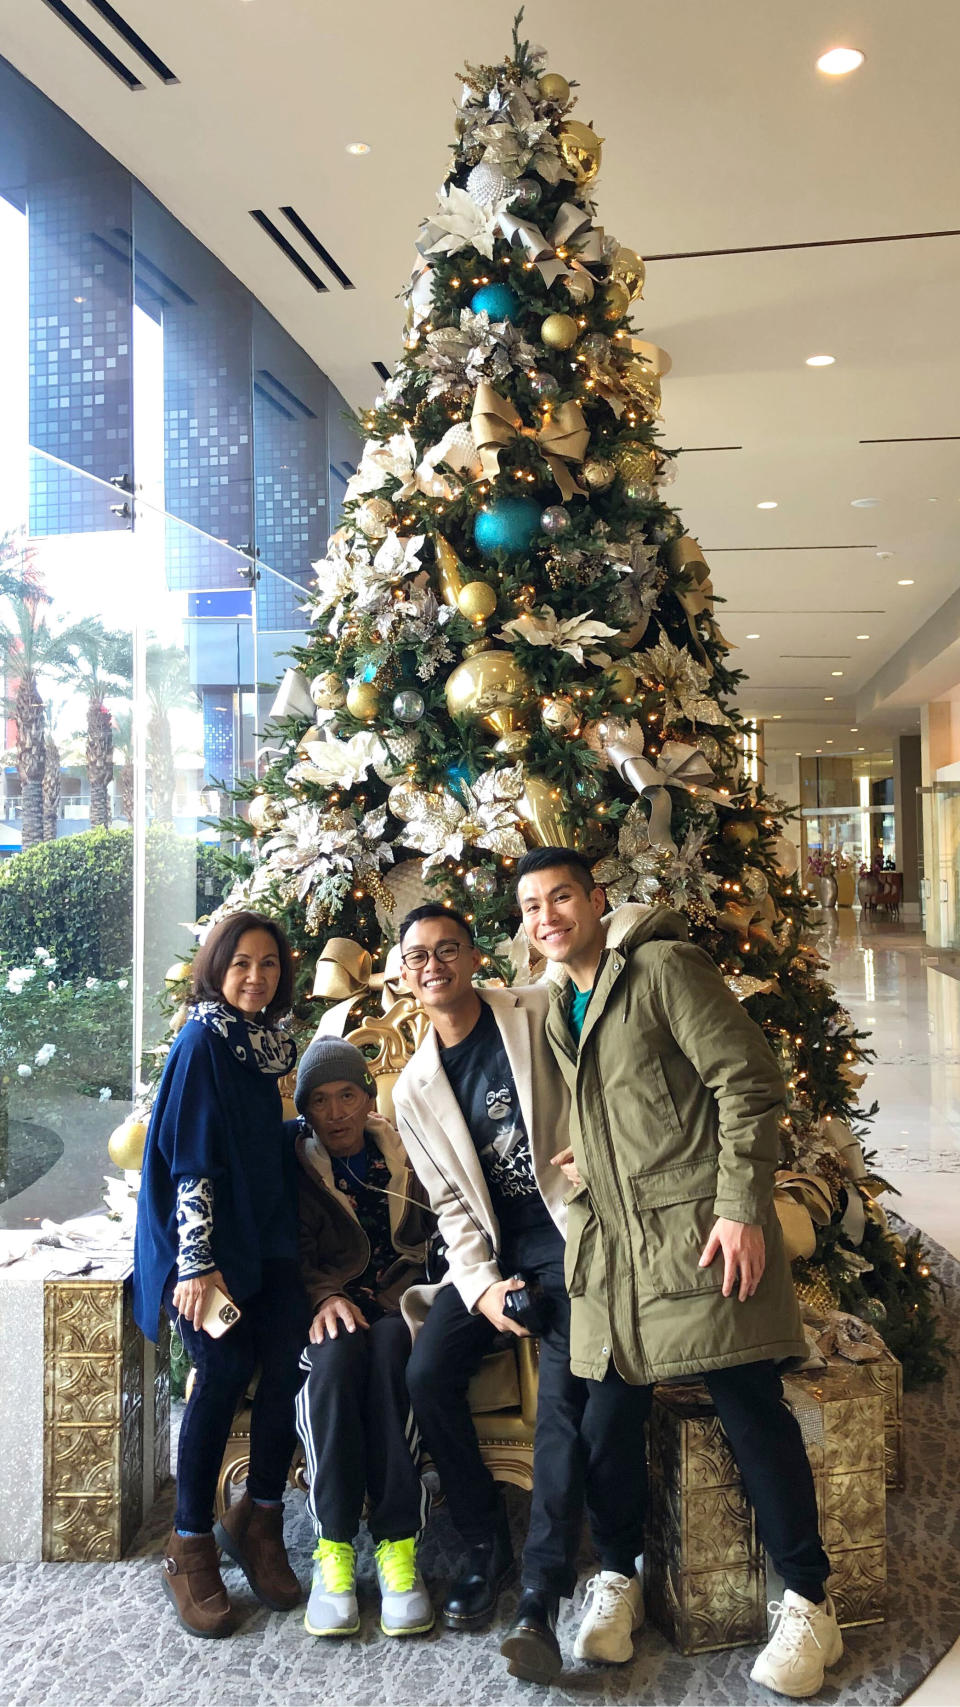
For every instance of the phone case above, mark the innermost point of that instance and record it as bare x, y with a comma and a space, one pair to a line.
221, 1314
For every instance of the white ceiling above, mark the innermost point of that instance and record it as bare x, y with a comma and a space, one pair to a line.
720, 134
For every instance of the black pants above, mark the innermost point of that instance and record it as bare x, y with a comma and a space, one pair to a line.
359, 1436
588, 1444
271, 1331
768, 1446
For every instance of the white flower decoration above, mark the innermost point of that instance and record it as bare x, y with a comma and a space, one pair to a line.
575, 634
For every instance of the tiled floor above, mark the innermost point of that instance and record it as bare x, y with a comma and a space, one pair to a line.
913, 1011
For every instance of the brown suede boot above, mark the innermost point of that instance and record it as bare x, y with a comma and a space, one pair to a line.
252, 1535
192, 1581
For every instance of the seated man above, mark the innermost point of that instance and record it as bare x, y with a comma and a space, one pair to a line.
363, 1226
482, 1110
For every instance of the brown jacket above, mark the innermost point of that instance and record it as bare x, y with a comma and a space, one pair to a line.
334, 1249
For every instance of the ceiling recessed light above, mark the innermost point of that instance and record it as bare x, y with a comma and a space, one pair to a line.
836, 672
855, 730
829, 743
904, 583
753, 637
819, 749
777, 716
933, 500
358, 148
828, 699
883, 555
820, 361
768, 504
864, 503
861, 749
840, 61
863, 637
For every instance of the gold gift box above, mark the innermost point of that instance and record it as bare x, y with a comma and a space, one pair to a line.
704, 1567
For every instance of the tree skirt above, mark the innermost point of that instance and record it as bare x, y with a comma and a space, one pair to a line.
102, 1636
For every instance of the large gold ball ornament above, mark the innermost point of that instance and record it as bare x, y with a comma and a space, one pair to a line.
449, 570
581, 150
615, 299
553, 87
560, 715
642, 383
635, 462
477, 601
559, 331
599, 733
178, 973
545, 821
375, 516
599, 473
327, 691
621, 680
489, 686
363, 701
628, 269
264, 813
125, 1145
740, 834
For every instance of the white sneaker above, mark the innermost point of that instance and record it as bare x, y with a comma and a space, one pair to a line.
332, 1607
612, 1610
405, 1605
806, 1639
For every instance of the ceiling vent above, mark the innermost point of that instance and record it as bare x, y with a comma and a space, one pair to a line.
105, 54
382, 369
286, 247
313, 240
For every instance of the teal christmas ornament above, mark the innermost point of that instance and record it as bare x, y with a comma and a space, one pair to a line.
508, 524
457, 774
497, 300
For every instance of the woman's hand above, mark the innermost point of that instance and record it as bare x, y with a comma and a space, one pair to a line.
331, 1312
191, 1298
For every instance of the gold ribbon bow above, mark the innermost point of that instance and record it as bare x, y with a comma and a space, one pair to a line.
803, 1203
563, 437
696, 594
680, 766
345, 973
751, 919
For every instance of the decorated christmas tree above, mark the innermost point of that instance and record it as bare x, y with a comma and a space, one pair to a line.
513, 642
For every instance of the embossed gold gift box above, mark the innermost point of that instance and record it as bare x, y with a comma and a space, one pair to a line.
705, 1574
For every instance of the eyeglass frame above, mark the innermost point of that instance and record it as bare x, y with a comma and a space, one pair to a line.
453, 944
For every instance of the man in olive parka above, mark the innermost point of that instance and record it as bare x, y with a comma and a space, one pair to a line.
674, 1260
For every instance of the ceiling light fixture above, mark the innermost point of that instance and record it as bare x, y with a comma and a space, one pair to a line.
855, 730
864, 503
863, 637
828, 699
820, 361
829, 743
840, 61
358, 148
753, 637
836, 672
768, 504
777, 716
861, 749
904, 583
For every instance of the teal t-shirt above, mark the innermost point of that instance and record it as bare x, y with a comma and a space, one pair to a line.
577, 1010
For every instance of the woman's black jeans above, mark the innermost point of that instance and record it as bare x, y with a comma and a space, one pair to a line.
271, 1333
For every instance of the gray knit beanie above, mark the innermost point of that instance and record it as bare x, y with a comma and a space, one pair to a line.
326, 1060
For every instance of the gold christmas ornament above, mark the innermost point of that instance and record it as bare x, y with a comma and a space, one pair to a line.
560, 715
559, 331
814, 1289
553, 87
635, 462
490, 686
615, 298
545, 821
327, 691
642, 383
600, 732
375, 516
628, 270
177, 973
125, 1145
599, 474
623, 682
579, 287
740, 835
264, 813
449, 570
581, 150
363, 701
483, 644
477, 601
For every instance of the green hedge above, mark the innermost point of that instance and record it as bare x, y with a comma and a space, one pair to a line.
74, 897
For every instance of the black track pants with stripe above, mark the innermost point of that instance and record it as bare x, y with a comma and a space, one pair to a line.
356, 1425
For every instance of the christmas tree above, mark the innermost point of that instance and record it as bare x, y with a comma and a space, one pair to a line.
513, 642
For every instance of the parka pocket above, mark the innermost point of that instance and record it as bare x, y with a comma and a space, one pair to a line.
580, 1241
676, 1214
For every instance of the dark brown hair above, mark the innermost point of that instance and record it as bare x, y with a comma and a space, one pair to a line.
212, 960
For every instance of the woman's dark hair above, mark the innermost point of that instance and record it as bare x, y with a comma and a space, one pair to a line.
434, 910
547, 859
212, 961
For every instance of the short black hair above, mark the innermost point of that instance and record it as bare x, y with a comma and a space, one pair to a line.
212, 961
434, 910
547, 859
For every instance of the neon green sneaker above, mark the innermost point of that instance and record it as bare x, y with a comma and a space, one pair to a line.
332, 1608
406, 1609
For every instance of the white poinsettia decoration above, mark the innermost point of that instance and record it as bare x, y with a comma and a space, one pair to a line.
439, 825
384, 459
395, 560
576, 635
332, 763
314, 842
458, 223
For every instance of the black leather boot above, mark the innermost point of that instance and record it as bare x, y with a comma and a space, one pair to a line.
473, 1595
531, 1643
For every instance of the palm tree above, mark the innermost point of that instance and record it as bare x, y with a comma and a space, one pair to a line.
52, 766
101, 663
168, 689
28, 647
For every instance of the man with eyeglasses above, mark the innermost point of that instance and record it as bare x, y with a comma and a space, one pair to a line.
483, 1111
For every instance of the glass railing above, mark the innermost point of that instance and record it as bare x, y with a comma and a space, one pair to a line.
139, 661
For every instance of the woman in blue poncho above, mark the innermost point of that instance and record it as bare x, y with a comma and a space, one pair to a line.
217, 1210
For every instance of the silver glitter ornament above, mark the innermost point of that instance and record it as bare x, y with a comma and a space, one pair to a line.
480, 882
543, 385
486, 186
555, 520
753, 882
409, 706
639, 492
595, 346
526, 195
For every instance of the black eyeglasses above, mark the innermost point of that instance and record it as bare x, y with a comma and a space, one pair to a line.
416, 959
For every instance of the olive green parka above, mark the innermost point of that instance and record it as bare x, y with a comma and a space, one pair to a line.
675, 1121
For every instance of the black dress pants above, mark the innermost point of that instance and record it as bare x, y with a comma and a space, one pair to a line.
356, 1424
271, 1331
588, 1443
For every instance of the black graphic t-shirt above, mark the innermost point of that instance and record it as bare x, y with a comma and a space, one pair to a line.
482, 1082
364, 1179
